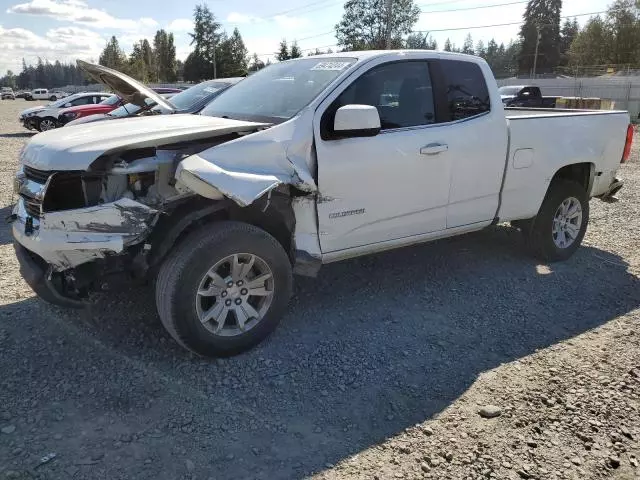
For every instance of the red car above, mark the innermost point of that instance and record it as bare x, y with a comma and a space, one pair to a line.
73, 113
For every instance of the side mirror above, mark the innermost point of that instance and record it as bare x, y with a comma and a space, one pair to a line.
357, 121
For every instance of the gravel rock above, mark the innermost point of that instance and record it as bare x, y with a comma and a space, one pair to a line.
613, 461
490, 411
8, 429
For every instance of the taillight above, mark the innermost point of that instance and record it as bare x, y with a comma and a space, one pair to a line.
627, 144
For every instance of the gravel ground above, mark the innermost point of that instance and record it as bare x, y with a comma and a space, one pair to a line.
379, 370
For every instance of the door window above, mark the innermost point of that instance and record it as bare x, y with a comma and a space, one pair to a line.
82, 101
401, 92
467, 92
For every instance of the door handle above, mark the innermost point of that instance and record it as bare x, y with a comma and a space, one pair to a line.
434, 149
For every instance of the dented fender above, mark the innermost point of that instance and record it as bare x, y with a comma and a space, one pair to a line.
247, 168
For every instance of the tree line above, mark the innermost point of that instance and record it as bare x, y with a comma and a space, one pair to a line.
53, 75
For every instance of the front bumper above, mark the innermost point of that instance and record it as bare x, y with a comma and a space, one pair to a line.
62, 251
68, 238
28, 123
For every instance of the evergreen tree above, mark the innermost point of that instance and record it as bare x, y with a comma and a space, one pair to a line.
569, 31
165, 53
447, 46
206, 37
624, 30
364, 23
283, 51
295, 50
148, 56
467, 46
112, 56
590, 47
256, 64
481, 51
542, 27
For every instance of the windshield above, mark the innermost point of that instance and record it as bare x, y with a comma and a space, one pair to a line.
124, 110
198, 93
278, 92
112, 100
509, 90
63, 101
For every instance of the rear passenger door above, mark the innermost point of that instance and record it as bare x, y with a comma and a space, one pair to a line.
476, 132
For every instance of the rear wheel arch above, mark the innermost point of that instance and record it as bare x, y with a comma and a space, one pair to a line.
581, 173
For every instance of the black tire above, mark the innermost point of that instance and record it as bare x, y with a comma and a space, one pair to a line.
53, 98
182, 271
540, 235
49, 119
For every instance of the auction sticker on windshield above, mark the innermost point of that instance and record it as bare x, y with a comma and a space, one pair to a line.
331, 66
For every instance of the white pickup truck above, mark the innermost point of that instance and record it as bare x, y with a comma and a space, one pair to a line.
44, 94
304, 163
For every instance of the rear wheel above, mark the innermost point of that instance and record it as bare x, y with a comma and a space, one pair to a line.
47, 123
224, 289
558, 229
53, 98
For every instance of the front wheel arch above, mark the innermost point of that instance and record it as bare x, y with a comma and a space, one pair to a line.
179, 280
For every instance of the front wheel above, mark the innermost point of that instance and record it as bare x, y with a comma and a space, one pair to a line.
558, 229
47, 123
224, 289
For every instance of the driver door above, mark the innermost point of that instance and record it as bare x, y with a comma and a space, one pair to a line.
395, 184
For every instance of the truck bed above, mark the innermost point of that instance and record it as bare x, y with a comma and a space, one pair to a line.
512, 112
542, 140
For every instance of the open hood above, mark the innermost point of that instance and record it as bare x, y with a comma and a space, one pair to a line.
126, 87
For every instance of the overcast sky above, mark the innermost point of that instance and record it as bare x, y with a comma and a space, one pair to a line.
70, 29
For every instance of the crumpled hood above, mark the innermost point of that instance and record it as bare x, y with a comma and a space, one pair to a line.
76, 147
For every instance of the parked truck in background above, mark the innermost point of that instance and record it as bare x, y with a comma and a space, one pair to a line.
528, 96
303, 163
44, 94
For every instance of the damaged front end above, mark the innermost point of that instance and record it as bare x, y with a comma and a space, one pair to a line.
72, 228
77, 231
81, 231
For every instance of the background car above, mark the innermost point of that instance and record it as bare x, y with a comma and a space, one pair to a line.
72, 113
191, 100
7, 94
44, 118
